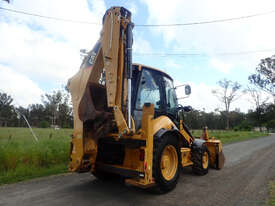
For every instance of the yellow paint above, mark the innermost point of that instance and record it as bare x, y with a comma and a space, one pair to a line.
120, 121
147, 128
214, 147
162, 122
205, 160
186, 135
131, 160
186, 157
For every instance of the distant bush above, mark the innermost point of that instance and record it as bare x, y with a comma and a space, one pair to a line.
270, 124
244, 126
66, 125
44, 124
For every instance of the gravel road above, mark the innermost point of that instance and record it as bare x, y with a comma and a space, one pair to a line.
249, 167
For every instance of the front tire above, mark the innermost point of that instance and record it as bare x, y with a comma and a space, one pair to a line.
166, 163
200, 158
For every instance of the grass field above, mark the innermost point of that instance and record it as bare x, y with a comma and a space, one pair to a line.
230, 136
21, 157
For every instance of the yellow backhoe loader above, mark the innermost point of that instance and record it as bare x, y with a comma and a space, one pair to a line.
127, 120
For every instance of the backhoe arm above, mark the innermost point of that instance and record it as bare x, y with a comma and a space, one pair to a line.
101, 89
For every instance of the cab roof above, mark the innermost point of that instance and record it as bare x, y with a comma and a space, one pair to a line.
158, 70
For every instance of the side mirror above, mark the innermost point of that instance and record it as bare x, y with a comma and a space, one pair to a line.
187, 90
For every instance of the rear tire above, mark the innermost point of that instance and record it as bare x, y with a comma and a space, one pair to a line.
166, 163
200, 158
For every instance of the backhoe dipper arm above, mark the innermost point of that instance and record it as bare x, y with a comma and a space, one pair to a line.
101, 89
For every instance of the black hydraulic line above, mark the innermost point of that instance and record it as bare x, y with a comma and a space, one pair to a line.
129, 43
128, 63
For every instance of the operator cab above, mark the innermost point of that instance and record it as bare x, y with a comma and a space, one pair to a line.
153, 86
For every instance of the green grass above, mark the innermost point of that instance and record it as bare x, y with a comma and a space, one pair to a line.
271, 200
231, 136
21, 157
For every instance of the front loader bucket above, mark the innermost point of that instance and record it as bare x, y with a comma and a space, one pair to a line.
217, 158
220, 160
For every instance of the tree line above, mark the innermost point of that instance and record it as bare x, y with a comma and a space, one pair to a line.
55, 111
235, 120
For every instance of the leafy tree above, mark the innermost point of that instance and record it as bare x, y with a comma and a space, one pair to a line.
6, 109
65, 112
227, 93
36, 114
22, 111
5, 105
258, 100
243, 126
58, 108
271, 124
51, 103
256, 95
264, 77
269, 112
236, 118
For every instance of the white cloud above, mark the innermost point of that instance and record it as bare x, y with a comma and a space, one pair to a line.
22, 89
170, 64
45, 52
141, 45
220, 65
133, 8
202, 98
243, 35
76, 34
36, 55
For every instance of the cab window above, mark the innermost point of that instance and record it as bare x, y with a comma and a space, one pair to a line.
171, 98
149, 89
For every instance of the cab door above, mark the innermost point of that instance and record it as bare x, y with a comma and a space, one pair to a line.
171, 102
149, 90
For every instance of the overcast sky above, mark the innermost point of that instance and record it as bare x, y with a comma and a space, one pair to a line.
39, 55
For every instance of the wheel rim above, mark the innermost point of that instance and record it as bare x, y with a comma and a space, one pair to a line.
169, 162
205, 159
